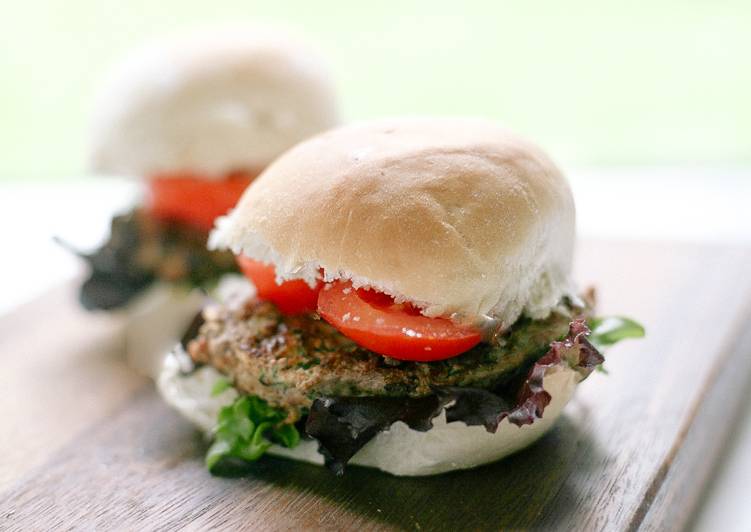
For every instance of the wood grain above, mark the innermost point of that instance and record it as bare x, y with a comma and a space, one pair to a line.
62, 369
95, 448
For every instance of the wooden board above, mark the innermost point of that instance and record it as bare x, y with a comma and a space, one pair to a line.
84, 443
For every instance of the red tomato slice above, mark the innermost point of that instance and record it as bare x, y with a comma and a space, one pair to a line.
195, 201
291, 297
375, 322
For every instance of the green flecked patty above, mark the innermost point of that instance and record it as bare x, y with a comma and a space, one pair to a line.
291, 360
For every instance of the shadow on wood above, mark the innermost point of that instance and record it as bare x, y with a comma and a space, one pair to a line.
136, 458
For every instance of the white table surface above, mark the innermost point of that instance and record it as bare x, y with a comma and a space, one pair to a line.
691, 204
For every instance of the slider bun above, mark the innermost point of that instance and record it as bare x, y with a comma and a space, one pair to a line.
453, 214
155, 321
399, 450
210, 103
157, 318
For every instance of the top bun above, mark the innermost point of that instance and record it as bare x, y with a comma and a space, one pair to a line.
455, 215
210, 103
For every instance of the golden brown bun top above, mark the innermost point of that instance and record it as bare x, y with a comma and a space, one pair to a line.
453, 214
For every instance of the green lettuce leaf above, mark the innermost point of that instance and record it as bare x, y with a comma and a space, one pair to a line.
221, 384
609, 330
244, 432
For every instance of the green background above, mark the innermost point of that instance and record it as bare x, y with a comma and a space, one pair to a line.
596, 82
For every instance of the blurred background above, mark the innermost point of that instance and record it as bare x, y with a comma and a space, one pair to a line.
646, 105
643, 104
596, 83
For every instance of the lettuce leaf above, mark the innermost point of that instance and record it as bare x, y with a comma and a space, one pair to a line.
343, 425
245, 431
141, 250
609, 330
221, 384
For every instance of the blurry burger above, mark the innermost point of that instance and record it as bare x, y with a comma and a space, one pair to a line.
415, 310
197, 117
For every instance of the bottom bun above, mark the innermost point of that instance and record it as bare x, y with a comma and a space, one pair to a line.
158, 318
155, 321
399, 450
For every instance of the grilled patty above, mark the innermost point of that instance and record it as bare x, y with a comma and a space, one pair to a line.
291, 360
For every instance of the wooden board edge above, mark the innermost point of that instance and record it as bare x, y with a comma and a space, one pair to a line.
676, 490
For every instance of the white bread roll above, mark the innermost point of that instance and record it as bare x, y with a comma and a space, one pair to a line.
157, 319
154, 322
210, 103
454, 215
400, 450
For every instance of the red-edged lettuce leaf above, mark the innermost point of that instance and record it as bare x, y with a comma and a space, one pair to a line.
343, 425
141, 250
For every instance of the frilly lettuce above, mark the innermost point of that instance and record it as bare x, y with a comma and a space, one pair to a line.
245, 431
343, 425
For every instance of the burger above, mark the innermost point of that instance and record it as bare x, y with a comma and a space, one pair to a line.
197, 117
414, 310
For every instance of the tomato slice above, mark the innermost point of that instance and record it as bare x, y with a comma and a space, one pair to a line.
291, 297
192, 200
376, 322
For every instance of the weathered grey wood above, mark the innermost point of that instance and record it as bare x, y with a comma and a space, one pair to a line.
685, 478
633, 450
60, 370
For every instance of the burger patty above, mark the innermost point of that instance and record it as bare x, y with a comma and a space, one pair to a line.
289, 361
